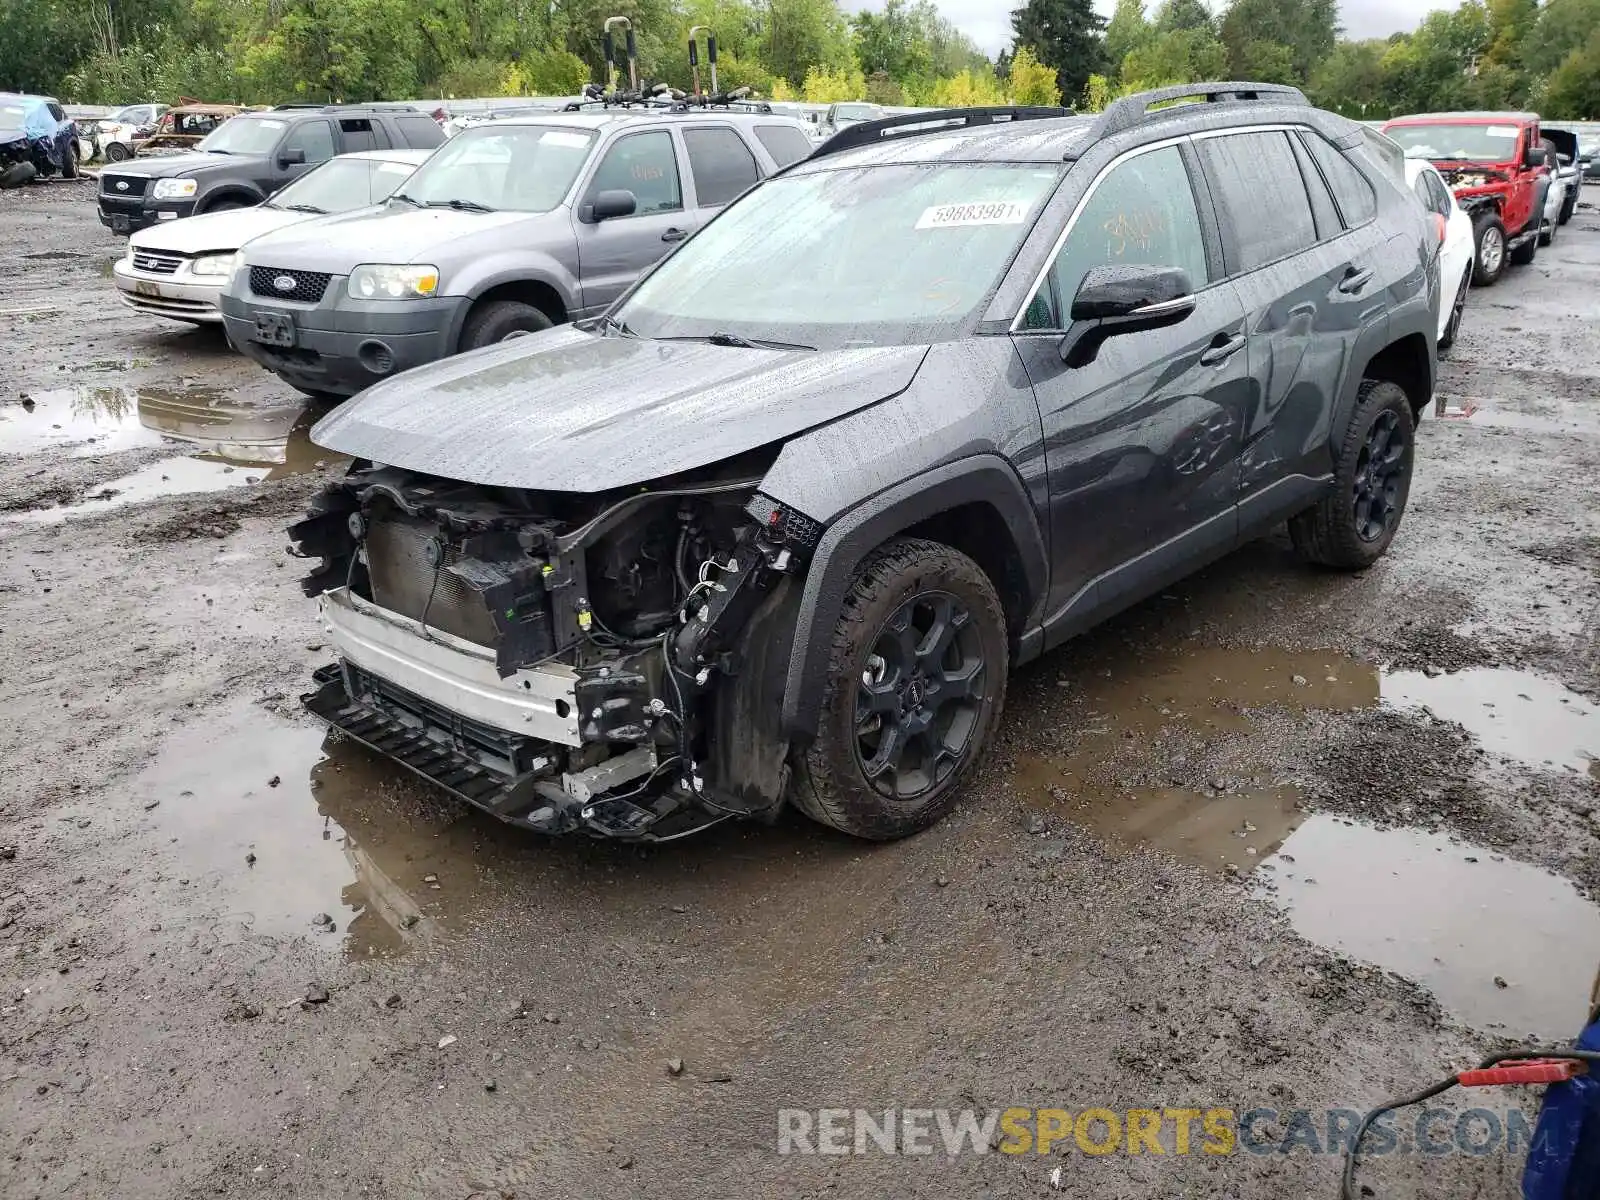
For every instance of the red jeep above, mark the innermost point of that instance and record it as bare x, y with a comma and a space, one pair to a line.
1494, 163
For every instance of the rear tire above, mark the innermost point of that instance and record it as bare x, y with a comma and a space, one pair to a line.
1524, 254
117, 152
501, 319
1351, 527
1547, 232
1453, 328
916, 681
1488, 250
69, 160
1571, 204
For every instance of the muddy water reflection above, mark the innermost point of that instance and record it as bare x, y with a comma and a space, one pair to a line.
94, 420
254, 811
1453, 918
1141, 717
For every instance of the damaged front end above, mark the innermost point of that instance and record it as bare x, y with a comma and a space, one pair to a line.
612, 664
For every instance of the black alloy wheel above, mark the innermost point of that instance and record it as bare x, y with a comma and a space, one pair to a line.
920, 696
1379, 475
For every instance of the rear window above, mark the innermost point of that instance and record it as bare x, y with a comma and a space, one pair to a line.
1350, 187
785, 143
420, 133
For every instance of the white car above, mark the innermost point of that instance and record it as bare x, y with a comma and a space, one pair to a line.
177, 269
117, 130
1555, 199
1456, 244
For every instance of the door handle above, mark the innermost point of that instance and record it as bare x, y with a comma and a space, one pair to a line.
1223, 347
674, 235
1355, 279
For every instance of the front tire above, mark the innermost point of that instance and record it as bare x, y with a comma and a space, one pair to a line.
501, 319
1488, 250
116, 152
69, 160
916, 681
1352, 526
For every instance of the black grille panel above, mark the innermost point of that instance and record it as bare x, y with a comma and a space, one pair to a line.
307, 288
156, 264
111, 185
403, 581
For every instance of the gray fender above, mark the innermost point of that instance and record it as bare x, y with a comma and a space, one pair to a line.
486, 274
984, 478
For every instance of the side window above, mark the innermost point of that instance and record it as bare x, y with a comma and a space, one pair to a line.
644, 164
1262, 197
721, 164
1141, 213
1322, 207
314, 137
1433, 194
1350, 187
57, 112
420, 133
355, 133
785, 143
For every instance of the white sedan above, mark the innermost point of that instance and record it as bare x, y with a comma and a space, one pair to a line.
1455, 244
178, 269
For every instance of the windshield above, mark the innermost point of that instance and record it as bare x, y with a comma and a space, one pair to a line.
850, 114
1465, 143
241, 135
342, 184
875, 256
522, 168
133, 114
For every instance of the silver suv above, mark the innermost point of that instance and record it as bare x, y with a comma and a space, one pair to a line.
510, 228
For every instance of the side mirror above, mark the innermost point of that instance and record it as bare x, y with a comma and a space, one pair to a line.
618, 202
291, 158
1533, 157
1117, 300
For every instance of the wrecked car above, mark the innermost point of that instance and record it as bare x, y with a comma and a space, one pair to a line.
181, 129
37, 138
776, 527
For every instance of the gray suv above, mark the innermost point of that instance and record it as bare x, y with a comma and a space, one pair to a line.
510, 228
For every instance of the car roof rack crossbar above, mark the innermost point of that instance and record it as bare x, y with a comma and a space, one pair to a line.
1136, 109
871, 133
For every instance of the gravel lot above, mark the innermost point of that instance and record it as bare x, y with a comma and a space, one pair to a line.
1276, 838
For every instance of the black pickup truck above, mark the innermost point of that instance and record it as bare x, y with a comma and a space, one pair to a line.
250, 156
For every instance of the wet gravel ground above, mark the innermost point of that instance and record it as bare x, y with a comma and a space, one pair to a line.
1277, 839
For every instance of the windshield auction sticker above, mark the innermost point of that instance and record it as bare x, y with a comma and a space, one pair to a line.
993, 212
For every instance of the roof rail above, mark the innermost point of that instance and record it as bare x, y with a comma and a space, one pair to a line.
1135, 109
871, 133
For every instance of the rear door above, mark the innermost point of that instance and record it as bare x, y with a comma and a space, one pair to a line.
1310, 277
721, 165
1142, 443
612, 253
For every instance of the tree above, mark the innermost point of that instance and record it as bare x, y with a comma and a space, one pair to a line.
1065, 35
801, 34
1351, 80
1181, 56
1562, 27
1175, 15
1574, 90
1126, 32
1308, 29
1032, 82
1510, 21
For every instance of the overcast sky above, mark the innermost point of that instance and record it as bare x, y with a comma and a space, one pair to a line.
988, 22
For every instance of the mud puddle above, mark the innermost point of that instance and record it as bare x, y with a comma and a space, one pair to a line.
1558, 418
1516, 714
1165, 756
270, 824
1500, 943
228, 445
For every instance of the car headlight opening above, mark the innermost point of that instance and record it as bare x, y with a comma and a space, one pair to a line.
174, 189
214, 264
379, 281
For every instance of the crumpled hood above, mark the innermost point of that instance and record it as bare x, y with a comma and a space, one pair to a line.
570, 411
218, 231
395, 233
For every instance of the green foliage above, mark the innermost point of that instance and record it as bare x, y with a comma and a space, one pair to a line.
1031, 82
1066, 35
1574, 90
1562, 27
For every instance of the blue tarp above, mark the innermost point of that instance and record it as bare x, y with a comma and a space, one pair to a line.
36, 119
